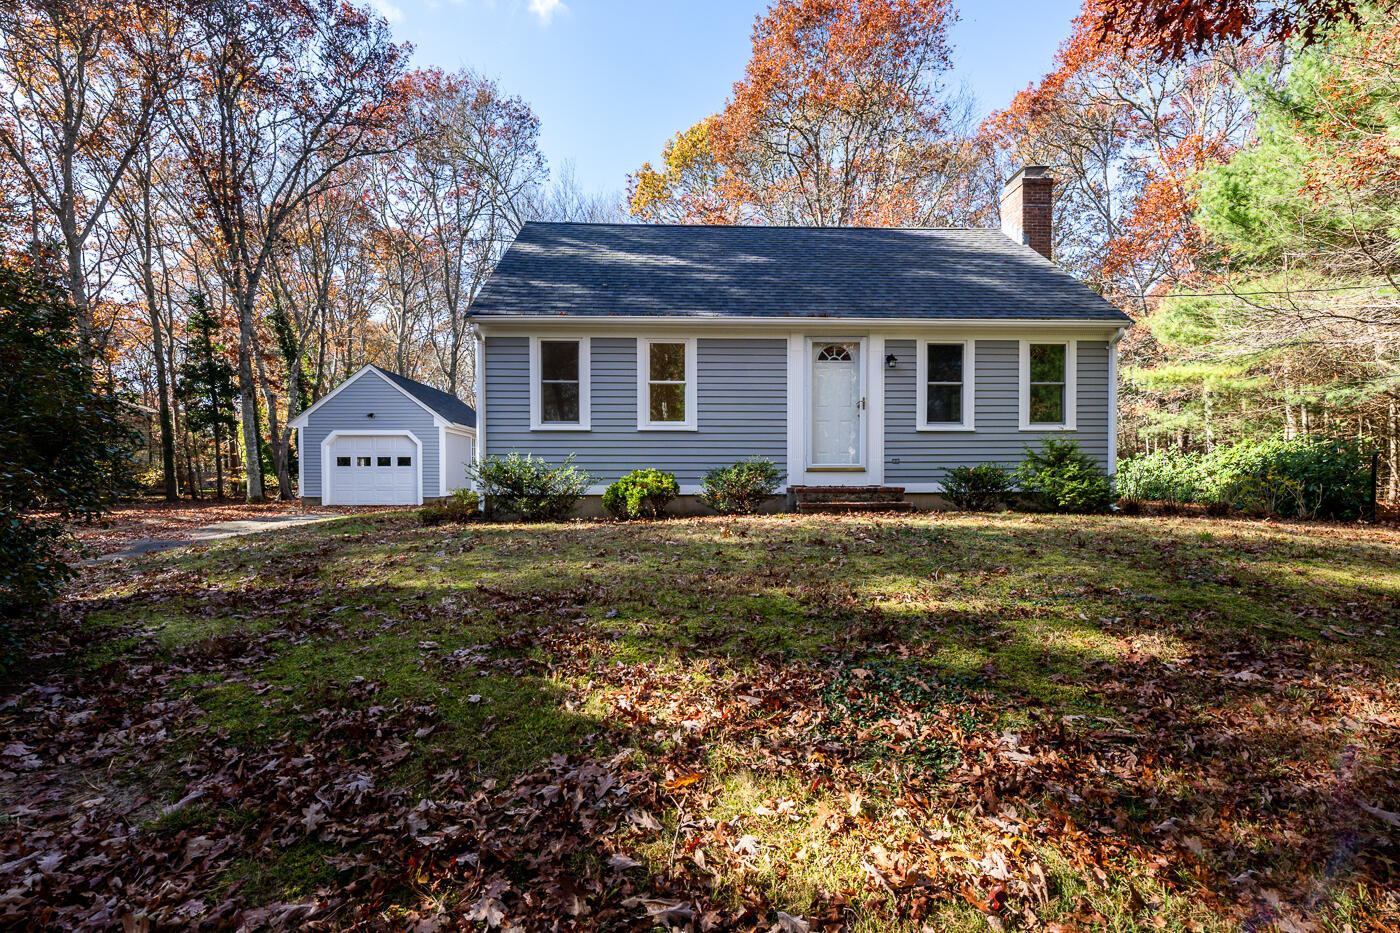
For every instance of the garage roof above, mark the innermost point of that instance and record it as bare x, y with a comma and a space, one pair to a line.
448, 406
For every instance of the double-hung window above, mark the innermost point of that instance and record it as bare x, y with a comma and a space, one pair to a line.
1047, 385
666, 384
946, 392
559, 390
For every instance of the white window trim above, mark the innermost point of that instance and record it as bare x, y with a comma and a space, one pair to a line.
644, 422
584, 422
969, 386
1071, 390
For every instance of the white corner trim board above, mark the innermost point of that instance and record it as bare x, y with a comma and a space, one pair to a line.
1071, 391
443, 431
1113, 401
585, 355
327, 494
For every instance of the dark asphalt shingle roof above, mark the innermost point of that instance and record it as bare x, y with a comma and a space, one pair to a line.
715, 271
448, 406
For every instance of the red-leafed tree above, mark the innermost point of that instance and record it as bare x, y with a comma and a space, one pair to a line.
842, 117
283, 93
1180, 28
1126, 136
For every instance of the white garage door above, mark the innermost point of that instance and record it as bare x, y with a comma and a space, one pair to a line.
374, 470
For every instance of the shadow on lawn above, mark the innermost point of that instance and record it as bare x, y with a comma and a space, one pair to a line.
1168, 694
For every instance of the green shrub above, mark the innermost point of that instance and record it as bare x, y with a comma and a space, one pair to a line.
978, 488
1163, 476
641, 494
741, 488
464, 505
1060, 477
1307, 477
528, 486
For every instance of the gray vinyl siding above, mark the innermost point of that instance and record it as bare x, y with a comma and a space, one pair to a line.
349, 410
742, 395
913, 456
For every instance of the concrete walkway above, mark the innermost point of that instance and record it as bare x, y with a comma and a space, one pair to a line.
215, 532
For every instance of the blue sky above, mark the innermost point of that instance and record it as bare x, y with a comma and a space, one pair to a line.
612, 80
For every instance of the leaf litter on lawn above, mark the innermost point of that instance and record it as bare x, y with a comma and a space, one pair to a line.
1259, 784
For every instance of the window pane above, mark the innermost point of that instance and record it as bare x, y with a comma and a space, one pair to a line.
944, 404
1047, 404
668, 361
362, 461
559, 402
559, 359
385, 461
342, 461
945, 362
1047, 362
667, 402
405, 461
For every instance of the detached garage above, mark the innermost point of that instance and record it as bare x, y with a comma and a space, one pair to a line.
381, 439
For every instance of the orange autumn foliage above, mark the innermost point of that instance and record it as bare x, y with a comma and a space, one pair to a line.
840, 119
1128, 136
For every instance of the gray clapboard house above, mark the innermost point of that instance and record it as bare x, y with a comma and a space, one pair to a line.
379, 438
858, 357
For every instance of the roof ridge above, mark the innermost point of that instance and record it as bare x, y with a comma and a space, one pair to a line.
843, 227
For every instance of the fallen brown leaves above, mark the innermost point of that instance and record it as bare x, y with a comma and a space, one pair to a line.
1259, 783
156, 520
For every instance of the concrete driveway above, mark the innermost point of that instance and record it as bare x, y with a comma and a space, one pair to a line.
215, 532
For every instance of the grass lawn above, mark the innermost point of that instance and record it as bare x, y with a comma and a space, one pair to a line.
937, 722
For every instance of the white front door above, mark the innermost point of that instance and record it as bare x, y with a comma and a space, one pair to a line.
837, 406
372, 469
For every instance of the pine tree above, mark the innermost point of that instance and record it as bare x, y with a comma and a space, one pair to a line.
206, 382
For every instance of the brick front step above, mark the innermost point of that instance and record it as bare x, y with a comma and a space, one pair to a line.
812, 494
837, 505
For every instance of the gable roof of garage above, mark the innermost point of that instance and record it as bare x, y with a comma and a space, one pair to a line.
443, 406
697, 271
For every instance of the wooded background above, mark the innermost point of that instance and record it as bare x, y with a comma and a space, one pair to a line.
247, 201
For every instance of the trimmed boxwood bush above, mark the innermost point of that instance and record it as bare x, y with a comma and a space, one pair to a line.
1062, 478
641, 494
977, 488
741, 488
528, 486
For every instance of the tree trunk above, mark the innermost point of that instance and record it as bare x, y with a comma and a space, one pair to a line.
248, 402
167, 422
77, 287
218, 460
1394, 443
276, 440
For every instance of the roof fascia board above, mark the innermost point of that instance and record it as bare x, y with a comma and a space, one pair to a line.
581, 320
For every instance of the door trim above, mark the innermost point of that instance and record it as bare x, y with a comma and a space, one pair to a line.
327, 487
862, 412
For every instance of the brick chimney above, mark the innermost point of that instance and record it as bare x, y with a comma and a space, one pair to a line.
1026, 208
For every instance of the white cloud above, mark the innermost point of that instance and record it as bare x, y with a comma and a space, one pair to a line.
387, 9
545, 9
